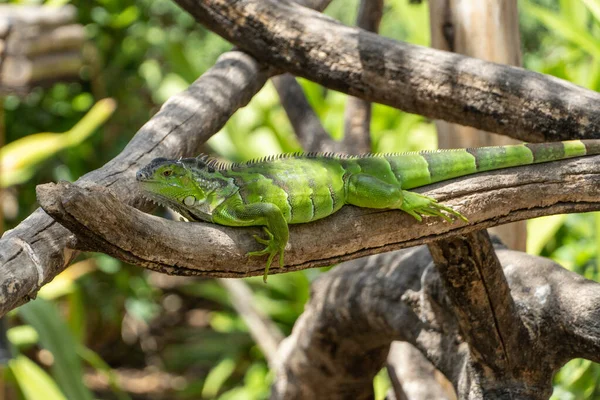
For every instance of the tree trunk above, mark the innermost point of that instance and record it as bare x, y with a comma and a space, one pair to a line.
486, 29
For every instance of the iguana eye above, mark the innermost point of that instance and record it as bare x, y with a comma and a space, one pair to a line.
167, 173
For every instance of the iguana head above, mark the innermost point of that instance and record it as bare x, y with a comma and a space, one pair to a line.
189, 186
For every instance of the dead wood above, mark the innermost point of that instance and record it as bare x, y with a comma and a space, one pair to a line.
102, 222
497, 98
359, 308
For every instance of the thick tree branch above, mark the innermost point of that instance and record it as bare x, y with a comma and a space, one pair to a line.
441, 85
102, 223
480, 299
36, 251
402, 298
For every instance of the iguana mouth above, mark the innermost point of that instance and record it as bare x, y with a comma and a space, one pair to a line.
188, 214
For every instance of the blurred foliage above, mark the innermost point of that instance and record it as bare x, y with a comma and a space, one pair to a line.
133, 334
562, 38
19, 158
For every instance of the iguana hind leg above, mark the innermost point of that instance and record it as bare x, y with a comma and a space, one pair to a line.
418, 205
368, 191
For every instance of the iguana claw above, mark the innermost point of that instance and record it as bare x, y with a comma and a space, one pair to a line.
418, 206
272, 250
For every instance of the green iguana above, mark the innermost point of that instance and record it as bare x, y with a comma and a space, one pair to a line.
299, 188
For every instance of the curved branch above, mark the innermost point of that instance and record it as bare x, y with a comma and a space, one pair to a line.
440, 85
308, 128
102, 223
402, 298
36, 250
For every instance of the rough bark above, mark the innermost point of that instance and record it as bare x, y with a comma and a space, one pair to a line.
359, 308
440, 85
480, 299
36, 250
103, 223
489, 30
309, 130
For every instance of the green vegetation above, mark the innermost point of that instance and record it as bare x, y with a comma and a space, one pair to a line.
183, 336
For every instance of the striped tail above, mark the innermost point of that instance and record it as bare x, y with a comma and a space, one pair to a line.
447, 164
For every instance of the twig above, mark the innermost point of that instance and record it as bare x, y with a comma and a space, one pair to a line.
309, 130
412, 375
262, 329
357, 117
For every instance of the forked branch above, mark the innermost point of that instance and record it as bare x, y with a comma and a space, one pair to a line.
402, 298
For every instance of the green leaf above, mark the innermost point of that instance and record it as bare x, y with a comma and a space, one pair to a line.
594, 8
56, 337
217, 377
542, 231
18, 158
574, 33
35, 384
23, 336
381, 384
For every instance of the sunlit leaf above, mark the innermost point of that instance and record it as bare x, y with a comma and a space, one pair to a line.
18, 158
576, 34
63, 283
544, 229
35, 384
217, 377
56, 337
22, 336
594, 7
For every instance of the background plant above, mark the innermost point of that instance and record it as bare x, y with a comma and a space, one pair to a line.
121, 321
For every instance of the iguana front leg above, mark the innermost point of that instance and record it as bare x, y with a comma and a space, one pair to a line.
368, 191
266, 214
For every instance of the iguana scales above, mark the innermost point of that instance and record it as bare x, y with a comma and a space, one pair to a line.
298, 188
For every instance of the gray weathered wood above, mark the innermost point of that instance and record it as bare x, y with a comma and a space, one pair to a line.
489, 30
39, 45
307, 126
36, 250
357, 309
103, 223
437, 84
357, 115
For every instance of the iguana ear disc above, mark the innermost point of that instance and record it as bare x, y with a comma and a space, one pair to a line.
189, 201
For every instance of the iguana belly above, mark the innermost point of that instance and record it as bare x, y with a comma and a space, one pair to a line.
303, 190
